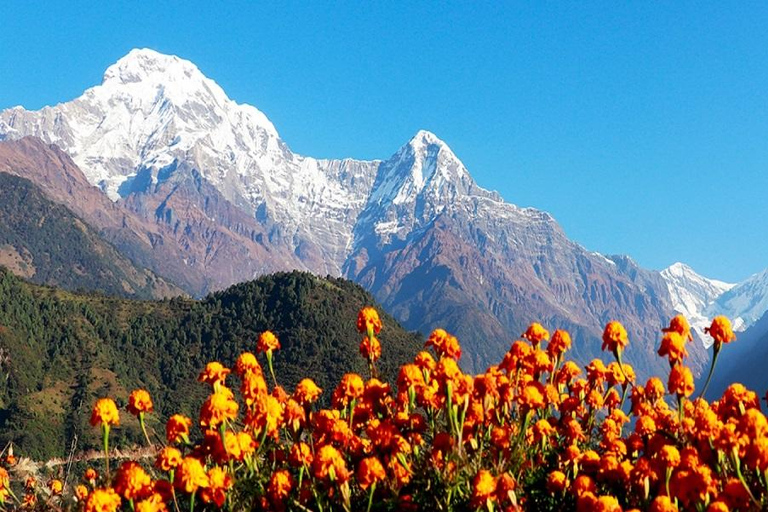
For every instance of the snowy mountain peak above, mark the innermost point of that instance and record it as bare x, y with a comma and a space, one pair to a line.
141, 63
693, 295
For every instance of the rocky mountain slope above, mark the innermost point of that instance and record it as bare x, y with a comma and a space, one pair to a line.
48, 244
230, 200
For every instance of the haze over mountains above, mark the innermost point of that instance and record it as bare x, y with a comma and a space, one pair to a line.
205, 193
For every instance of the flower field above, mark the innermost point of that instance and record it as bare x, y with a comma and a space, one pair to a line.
536, 432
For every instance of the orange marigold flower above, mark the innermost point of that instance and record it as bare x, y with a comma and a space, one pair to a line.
247, 362
105, 413
535, 334
681, 381
368, 320
556, 482
718, 506
246, 443
214, 374
168, 458
219, 482
218, 408
721, 331
444, 344
81, 492
680, 325
350, 388
140, 402
663, 504
614, 337
483, 487
669, 456
307, 392
103, 500
532, 396
154, 503
280, 486
583, 484
177, 429
369, 471
131, 481
673, 346
90, 475
267, 342
607, 504
329, 464
190, 475
560, 342
370, 348
425, 361
300, 455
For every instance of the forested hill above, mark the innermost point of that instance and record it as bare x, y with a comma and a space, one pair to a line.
47, 243
59, 351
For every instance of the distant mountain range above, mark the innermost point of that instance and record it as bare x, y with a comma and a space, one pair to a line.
204, 192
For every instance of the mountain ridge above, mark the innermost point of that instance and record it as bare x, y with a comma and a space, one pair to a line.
415, 228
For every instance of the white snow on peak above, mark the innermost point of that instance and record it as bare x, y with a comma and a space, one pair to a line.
693, 295
744, 303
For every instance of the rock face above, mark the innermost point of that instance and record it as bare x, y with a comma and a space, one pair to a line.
220, 198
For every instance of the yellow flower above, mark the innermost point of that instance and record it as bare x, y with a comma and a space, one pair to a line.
55, 486
105, 413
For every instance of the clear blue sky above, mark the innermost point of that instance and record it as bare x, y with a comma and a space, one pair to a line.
642, 127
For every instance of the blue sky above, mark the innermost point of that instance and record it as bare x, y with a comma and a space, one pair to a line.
642, 127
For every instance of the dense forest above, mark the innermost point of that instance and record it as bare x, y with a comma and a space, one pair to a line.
59, 351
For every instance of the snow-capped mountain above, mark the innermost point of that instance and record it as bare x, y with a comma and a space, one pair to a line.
220, 187
700, 299
692, 294
153, 112
744, 303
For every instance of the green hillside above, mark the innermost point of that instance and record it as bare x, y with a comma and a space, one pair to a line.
59, 351
48, 244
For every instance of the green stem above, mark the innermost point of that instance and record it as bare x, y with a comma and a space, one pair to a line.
271, 370
144, 429
716, 353
370, 496
105, 431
